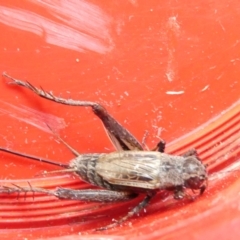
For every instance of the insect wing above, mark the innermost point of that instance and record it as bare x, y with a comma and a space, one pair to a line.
133, 168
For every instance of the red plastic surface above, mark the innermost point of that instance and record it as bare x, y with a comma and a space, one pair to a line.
169, 68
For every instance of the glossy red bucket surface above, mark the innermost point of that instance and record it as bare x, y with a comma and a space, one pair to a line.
170, 68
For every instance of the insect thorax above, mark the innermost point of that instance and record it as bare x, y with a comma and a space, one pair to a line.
177, 170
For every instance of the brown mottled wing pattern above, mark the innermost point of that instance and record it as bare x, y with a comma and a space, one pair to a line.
133, 168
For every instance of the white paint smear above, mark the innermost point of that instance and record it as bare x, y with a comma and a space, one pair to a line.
205, 88
80, 25
174, 28
175, 92
33, 117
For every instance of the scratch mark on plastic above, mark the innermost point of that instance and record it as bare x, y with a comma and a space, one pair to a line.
32, 117
79, 25
173, 29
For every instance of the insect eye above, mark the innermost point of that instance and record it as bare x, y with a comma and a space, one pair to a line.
194, 182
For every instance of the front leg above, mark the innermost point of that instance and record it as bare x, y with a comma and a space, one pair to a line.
160, 146
121, 138
180, 193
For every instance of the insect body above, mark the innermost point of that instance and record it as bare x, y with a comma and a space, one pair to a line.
127, 172
140, 170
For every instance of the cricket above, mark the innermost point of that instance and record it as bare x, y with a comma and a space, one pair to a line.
124, 174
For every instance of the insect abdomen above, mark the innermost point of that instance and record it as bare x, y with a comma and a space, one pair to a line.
85, 166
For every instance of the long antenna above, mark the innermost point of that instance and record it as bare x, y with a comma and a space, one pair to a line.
39, 159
